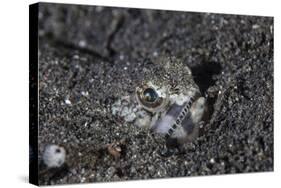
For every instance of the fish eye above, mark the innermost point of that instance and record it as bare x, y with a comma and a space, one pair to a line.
150, 95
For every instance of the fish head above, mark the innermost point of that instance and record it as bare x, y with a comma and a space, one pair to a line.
166, 100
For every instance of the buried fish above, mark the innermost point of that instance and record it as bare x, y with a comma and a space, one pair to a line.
166, 100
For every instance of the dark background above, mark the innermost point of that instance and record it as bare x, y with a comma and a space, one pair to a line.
88, 55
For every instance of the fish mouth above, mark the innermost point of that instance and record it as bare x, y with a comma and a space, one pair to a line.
177, 117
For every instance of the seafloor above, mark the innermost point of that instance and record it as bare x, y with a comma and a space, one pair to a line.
87, 54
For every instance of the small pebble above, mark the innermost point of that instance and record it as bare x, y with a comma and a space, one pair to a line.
256, 26
54, 156
82, 43
85, 93
155, 54
67, 101
121, 57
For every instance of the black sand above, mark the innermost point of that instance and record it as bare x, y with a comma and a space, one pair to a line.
87, 52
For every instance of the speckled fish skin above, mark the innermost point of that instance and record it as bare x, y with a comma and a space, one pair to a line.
174, 84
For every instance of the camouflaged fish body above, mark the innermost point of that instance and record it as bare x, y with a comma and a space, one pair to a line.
167, 101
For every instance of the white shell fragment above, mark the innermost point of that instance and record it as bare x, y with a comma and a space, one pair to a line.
54, 156
67, 101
